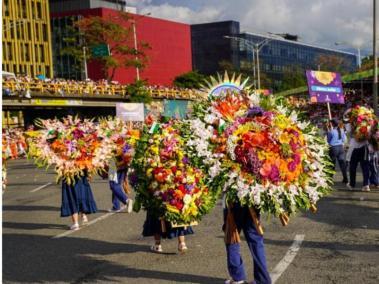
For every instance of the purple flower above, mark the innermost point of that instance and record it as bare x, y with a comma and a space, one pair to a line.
126, 148
185, 160
274, 175
255, 111
133, 179
292, 166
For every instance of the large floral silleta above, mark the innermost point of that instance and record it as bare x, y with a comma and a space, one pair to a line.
268, 159
363, 122
73, 146
169, 180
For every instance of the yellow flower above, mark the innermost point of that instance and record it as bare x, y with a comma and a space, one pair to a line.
172, 209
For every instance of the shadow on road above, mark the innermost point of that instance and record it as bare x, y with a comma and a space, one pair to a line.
33, 258
30, 208
335, 246
347, 215
32, 226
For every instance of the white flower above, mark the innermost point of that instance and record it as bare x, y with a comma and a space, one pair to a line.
187, 199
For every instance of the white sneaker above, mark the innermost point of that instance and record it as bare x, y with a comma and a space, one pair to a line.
74, 227
156, 248
122, 208
366, 188
349, 186
130, 205
230, 281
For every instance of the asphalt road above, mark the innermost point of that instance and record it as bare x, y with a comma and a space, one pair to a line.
340, 242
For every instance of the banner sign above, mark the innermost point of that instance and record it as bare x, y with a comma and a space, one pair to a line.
45, 102
130, 111
100, 50
325, 87
175, 108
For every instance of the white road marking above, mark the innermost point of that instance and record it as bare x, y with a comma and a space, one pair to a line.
69, 232
287, 259
41, 187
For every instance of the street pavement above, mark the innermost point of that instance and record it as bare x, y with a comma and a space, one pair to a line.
338, 244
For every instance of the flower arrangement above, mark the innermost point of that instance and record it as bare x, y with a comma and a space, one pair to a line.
14, 143
72, 145
362, 120
265, 156
123, 136
165, 177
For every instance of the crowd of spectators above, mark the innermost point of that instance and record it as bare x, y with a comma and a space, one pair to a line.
25, 86
318, 112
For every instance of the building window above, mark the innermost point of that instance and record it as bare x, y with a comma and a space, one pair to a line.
283, 52
6, 8
9, 50
39, 10
37, 31
18, 31
41, 53
29, 31
44, 32
27, 52
23, 9
35, 59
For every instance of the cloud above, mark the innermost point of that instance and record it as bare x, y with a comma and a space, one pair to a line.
181, 13
321, 22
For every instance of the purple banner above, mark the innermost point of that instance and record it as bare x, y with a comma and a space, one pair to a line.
325, 87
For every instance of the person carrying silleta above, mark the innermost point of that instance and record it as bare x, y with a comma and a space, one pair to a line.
336, 139
239, 218
118, 183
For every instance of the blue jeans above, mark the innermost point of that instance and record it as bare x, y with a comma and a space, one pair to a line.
236, 268
118, 193
359, 155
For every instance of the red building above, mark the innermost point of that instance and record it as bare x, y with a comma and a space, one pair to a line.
169, 56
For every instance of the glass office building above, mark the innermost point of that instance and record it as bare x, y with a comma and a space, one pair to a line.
277, 56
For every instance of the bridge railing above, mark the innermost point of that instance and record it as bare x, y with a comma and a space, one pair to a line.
93, 90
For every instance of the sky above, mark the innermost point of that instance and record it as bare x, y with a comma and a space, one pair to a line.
320, 22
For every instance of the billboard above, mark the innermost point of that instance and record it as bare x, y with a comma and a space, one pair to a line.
325, 87
130, 111
175, 108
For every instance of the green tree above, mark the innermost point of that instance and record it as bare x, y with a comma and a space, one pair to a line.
115, 31
138, 93
367, 63
332, 63
191, 80
293, 77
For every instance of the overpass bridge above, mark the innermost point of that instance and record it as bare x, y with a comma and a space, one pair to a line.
25, 101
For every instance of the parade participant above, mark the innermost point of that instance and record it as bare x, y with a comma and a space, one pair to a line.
358, 154
154, 226
239, 218
374, 158
118, 184
336, 138
77, 199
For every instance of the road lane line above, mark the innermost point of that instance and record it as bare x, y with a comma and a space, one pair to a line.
41, 187
287, 259
69, 232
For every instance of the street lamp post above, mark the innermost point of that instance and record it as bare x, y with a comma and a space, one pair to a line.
375, 55
256, 48
133, 21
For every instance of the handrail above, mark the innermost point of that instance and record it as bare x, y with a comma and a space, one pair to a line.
92, 90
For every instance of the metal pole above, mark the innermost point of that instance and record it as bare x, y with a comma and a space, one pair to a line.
258, 67
135, 46
254, 75
375, 83
85, 63
359, 57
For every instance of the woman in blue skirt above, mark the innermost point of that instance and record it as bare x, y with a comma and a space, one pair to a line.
77, 198
154, 226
